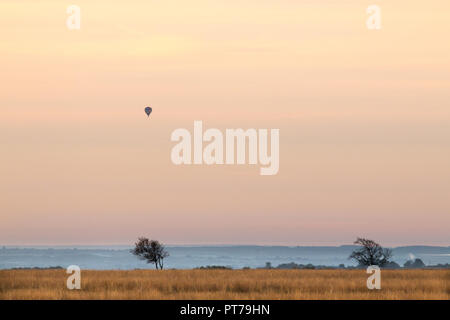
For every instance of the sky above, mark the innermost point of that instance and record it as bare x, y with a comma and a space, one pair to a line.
364, 120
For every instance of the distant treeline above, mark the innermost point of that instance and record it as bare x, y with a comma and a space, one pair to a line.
293, 265
416, 264
38, 268
410, 264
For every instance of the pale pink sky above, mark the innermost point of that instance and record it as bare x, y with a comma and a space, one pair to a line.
364, 119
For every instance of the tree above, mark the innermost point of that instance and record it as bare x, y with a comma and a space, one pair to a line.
370, 253
416, 264
150, 250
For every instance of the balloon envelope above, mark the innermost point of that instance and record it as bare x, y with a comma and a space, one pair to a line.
148, 110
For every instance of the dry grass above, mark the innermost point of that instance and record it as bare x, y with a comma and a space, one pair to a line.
225, 284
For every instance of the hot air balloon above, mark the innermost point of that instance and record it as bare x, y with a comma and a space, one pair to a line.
148, 110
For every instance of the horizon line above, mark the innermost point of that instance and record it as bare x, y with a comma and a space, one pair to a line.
210, 245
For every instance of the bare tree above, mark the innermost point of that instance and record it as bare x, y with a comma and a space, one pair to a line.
370, 253
150, 250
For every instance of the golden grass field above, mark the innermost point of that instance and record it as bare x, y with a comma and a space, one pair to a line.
225, 284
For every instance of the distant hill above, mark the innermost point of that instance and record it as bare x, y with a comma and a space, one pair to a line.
188, 257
